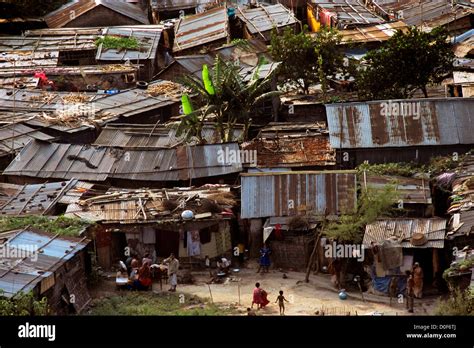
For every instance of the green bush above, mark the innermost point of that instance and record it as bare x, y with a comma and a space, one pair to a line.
23, 304
61, 225
460, 303
140, 303
118, 43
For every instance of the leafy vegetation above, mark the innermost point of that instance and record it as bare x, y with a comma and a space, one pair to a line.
134, 303
234, 100
23, 304
61, 225
407, 62
399, 169
436, 166
307, 59
462, 266
459, 303
118, 42
371, 205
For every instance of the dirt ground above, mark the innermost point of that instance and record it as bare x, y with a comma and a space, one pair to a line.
305, 298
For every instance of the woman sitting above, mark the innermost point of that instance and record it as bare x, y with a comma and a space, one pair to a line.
143, 281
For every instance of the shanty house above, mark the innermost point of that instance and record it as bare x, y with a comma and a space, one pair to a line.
427, 14
143, 136
124, 167
293, 145
78, 115
12, 139
406, 130
372, 36
49, 265
50, 198
153, 221
96, 13
146, 55
294, 202
165, 9
413, 194
340, 14
396, 244
203, 30
259, 20
461, 203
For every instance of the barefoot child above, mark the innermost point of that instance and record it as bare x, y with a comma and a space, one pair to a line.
280, 299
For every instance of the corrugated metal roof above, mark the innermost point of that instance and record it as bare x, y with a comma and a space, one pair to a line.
403, 229
375, 124
86, 162
18, 82
23, 59
348, 12
151, 136
431, 13
24, 274
173, 5
62, 16
463, 77
200, 29
265, 17
249, 54
375, 33
409, 190
103, 107
295, 193
148, 38
260, 71
15, 136
50, 43
35, 199
194, 63
133, 102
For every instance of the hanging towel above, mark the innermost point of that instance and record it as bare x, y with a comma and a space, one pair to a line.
149, 235
194, 243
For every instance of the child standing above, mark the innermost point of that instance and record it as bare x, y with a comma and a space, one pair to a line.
280, 299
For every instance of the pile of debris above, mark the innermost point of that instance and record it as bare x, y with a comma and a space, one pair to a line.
462, 199
155, 205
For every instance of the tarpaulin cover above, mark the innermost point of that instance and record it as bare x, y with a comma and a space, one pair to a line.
382, 284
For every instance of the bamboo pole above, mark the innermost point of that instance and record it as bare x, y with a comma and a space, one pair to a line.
210, 292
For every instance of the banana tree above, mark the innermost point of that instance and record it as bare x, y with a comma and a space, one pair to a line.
225, 98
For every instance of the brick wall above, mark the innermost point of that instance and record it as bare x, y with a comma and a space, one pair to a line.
293, 252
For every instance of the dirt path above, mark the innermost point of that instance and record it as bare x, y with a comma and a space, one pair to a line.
305, 298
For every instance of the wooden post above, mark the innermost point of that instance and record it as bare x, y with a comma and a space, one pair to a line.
210, 293
313, 256
238, 285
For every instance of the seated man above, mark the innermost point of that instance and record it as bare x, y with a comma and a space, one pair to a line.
224, 265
